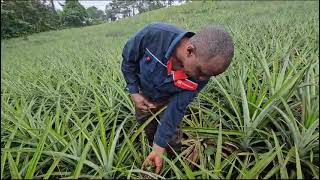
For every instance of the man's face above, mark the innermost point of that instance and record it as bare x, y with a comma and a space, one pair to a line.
203, 69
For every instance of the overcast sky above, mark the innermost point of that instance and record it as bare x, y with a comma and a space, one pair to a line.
99, 4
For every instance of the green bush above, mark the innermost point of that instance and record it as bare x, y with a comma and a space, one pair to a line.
74, 14
25, 17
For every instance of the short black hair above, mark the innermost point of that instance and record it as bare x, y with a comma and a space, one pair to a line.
213, 41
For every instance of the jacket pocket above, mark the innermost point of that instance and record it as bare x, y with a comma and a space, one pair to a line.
151, 68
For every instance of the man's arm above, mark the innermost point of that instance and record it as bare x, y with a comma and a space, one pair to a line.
168, 124
132, 52
174, 114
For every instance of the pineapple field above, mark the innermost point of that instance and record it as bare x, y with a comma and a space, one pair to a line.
65, 113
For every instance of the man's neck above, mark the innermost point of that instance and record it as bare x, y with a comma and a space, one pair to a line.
177, 63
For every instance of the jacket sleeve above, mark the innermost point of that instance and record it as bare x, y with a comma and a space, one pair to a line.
173, 115
132, 52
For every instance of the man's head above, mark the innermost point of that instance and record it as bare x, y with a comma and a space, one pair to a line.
207, 53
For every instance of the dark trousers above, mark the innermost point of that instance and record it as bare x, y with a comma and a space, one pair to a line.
151, 128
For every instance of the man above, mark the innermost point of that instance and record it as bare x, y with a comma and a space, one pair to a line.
166, 65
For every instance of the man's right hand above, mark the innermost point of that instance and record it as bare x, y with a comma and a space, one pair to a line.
141, 102
154, 158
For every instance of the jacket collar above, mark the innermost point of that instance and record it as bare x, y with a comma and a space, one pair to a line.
175, 42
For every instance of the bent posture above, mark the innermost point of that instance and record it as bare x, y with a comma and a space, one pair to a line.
166, 65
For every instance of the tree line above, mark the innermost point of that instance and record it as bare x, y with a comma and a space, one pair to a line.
24, 17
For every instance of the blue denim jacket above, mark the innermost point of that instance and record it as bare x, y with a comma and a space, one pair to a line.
145, 56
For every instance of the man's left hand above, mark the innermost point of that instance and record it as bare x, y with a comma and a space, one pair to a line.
154, 158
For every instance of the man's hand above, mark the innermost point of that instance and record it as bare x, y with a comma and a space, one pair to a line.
142, 102
154, 158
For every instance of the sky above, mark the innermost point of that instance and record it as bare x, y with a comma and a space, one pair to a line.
99, 4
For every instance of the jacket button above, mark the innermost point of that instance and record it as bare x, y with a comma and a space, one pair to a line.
148, 59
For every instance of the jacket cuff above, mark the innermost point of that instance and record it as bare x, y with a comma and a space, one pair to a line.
132, 88
160, 142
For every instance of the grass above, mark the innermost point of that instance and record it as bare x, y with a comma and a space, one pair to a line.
65, 113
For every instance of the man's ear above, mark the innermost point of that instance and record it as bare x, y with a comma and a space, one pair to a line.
190, 50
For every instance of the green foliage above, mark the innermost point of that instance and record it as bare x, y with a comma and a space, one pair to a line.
74, 14
22, 18
117, 8
65, 113
152, 5
128, 8
144, 6
26, 17
95, 15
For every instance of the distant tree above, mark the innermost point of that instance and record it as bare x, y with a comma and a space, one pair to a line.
126, 8
120, 8
95, 15
74, 14
93, 12
170, 2
113, 9
154, 4
108, 13
101, 15
142, 6
150, 5
25, 17
52, 5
